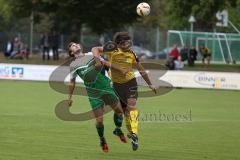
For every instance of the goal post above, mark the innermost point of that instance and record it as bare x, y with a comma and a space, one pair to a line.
225, 47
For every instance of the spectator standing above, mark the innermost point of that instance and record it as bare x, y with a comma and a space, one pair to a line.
45, 45
55, 45
192, 57
206, 54
184, 53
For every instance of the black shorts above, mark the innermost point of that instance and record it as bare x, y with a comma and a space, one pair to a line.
206, 55
126, 90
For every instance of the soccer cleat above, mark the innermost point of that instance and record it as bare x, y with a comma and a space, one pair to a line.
118, 132
103, 144
134, 145
134, 142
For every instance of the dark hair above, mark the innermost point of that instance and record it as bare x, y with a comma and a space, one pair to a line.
69, 51
121, 36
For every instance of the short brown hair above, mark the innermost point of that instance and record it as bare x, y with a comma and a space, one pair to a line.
121, 36
69, 50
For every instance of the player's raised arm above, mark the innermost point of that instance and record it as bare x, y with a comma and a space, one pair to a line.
107, 48
116, 67
97, 51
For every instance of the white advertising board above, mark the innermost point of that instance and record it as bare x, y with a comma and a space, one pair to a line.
193, 79
185, 79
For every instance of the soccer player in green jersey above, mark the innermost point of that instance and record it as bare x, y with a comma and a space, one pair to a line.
98, 88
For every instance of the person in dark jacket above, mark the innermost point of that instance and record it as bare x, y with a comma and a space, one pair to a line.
8, 48
55, 45
192, 57
45, 45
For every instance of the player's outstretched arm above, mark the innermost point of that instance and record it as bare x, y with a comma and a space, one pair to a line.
144, 74
115, 66
71, 87
97, 52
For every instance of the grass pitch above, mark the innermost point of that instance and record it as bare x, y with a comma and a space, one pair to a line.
29, 129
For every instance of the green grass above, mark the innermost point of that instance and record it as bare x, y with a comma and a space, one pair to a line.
29, 129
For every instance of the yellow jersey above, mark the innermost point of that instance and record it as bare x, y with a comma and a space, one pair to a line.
125, 60
205, 51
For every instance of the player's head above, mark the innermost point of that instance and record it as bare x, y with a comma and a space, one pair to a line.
74, 49
123, 40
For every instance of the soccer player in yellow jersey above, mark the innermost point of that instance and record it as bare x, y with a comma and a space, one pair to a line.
125, 84
206, 54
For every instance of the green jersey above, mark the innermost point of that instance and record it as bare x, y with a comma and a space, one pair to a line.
97, 85
84, 67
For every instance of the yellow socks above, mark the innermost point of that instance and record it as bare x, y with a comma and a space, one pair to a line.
132, 121
127, 121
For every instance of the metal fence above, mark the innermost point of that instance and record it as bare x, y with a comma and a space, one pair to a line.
152, 39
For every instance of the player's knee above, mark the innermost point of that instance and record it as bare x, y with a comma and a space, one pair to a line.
118, 111
118, 108
99, 123
132, 103
99, 120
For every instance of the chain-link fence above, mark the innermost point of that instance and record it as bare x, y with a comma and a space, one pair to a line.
152, 39
224, 47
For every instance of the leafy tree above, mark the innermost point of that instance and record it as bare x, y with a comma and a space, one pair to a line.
234, 13
5, 15
179, 11
70, 15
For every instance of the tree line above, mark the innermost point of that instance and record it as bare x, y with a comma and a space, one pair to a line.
68, 16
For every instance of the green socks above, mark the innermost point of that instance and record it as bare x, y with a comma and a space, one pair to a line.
100, 130
118, 119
